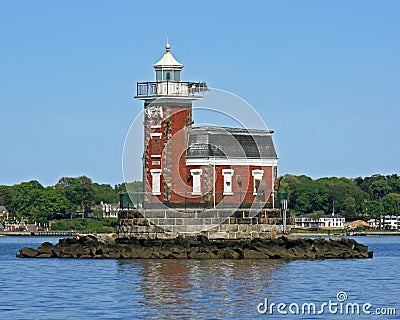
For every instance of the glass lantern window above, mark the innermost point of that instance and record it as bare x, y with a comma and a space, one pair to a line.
158, 75
177, 75
168, 75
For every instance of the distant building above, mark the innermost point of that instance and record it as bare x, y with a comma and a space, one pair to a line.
390, 222
3, 212
325, 221
15, 225
374, 223
110, 210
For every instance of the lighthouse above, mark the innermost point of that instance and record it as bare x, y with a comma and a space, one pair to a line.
199, 167
167, 116
198, 178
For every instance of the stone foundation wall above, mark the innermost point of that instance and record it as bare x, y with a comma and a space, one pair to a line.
239, 226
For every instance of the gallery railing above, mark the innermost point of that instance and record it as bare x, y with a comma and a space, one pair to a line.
171, 88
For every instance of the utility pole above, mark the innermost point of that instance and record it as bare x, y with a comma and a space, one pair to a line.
284, 208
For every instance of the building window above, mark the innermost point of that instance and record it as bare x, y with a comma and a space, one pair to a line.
155, 144
167, 74
177, 75
155, 179
227, 173
158, 75
196, 174
257, 177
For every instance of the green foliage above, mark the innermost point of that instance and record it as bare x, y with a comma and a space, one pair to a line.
135, 186
359, 198
40, 204
89, 224
391, 204
315, 215
379, 189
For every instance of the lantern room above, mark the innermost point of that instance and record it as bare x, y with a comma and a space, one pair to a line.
168, 69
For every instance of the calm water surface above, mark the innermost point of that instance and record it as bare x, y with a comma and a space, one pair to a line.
190, 289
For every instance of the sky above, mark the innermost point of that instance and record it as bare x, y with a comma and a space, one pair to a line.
324, 75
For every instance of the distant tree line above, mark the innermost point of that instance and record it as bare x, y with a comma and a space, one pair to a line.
358, 198
37, 203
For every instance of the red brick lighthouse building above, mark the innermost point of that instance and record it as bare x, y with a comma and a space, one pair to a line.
199, 166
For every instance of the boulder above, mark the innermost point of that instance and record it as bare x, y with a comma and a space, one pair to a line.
28, 253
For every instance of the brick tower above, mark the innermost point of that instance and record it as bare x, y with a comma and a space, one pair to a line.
167, 114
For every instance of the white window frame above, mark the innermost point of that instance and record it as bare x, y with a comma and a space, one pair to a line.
152, 135
227, 173
257, 175
155, 134
155, 182
196, 180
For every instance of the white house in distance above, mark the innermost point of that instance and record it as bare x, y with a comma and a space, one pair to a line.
110, 210
374, 223
325, 221
390, 222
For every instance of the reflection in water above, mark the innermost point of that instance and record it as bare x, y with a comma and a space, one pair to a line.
189, 288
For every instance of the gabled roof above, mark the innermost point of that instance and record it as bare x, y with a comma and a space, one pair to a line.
224, 142
168, 60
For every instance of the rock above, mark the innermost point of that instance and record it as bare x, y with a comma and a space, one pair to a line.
108, 239
46, 248
254, 254
198, 247
199, 255
228, 253
28, 253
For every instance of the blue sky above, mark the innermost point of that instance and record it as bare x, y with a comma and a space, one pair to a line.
323, 74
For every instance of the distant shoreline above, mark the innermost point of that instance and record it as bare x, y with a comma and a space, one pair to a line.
54, 233
364, 233
69, 233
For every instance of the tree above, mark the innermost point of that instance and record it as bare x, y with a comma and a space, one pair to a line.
350, 207
375, 209
105, 192
79, 192
391, 204
24, 196
51, 204
379, 189
394, 182
6, 196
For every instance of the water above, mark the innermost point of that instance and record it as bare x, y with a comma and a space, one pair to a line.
190, 289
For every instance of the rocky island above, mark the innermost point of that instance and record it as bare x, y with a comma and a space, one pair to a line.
199, 247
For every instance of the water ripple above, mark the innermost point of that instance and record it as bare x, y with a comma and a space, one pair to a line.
188, 289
